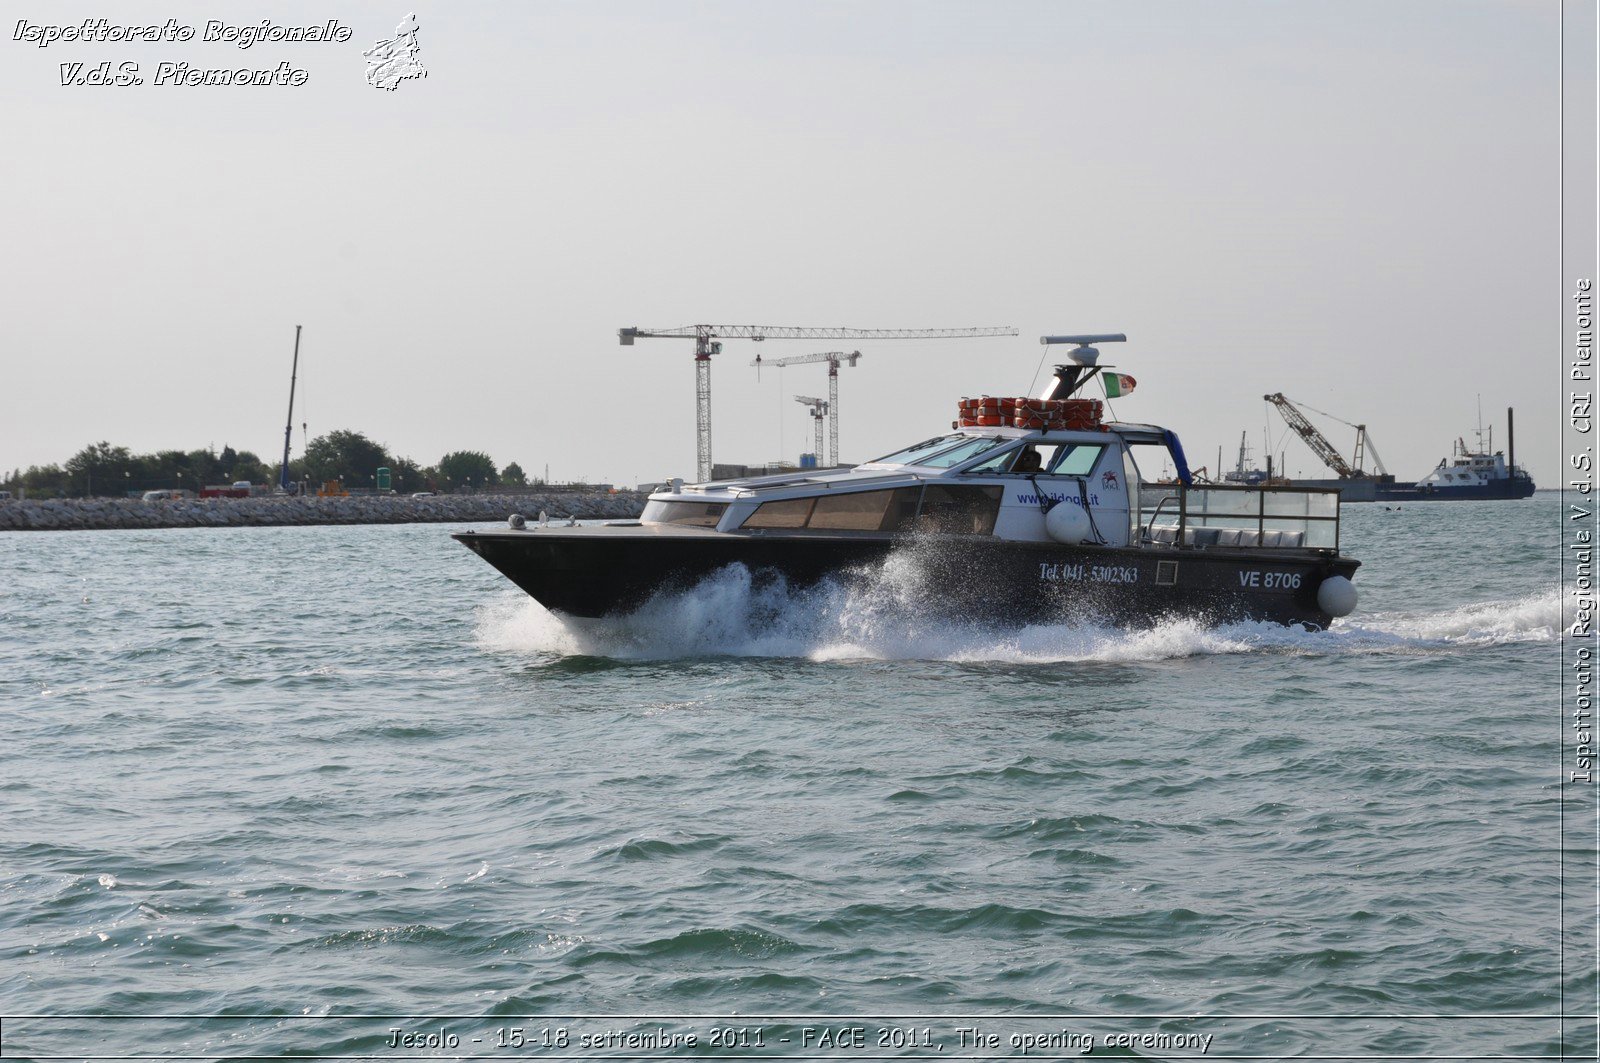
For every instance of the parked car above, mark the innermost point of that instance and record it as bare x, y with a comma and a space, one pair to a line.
422, 494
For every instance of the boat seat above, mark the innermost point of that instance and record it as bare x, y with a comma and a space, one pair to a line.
1167, 534
1239, 537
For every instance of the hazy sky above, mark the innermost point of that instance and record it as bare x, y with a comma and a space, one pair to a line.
1350, 202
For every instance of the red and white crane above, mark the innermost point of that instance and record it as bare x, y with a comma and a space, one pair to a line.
833, 358
707, 343
819, 413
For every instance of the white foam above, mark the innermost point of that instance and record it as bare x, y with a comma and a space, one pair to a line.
1533, 619
730, 615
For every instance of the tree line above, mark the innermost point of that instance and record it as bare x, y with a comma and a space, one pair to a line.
352, 458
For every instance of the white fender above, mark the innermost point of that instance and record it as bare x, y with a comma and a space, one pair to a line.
1067, 522
1337, 596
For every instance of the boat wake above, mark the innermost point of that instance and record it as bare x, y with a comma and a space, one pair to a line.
732, 615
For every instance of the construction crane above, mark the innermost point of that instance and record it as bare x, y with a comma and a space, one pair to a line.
706, 344
833, 358
1319, 443
819, 412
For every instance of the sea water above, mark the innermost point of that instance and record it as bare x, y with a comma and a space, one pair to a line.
346, 791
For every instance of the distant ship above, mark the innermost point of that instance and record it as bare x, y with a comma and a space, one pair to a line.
1242, 473
1467, 474
1484, 473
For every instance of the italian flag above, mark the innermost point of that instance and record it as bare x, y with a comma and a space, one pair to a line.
1118, 384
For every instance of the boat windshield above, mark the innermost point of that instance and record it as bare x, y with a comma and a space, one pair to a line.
911, 454
962, 452
1060, 459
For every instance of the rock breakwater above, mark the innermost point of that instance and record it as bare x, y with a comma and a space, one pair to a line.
82, 514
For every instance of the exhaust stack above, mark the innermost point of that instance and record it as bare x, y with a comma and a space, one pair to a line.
1511, 439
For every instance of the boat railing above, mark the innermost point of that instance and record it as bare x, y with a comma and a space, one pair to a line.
1205, 515
1146, 526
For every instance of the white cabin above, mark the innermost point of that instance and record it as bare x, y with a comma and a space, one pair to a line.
1467, 470
1001, 482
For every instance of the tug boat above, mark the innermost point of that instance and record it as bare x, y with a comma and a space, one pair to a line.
1468, 474
1027, 510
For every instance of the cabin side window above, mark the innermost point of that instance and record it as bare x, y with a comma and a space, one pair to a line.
693, 514
784, 513
959, 509
865, 511
951, 509
1076, 459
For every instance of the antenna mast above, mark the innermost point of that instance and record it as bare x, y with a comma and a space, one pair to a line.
288, 424
1085, 362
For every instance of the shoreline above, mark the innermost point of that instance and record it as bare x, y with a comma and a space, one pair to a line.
104, 514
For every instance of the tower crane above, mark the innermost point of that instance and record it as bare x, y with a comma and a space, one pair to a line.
819, 411
1319, 443
707, 343
833, 358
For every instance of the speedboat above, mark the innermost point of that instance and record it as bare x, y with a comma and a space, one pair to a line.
1027, 510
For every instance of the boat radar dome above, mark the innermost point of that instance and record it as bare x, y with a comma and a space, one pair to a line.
1082, 353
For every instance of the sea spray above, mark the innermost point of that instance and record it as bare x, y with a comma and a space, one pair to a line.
732, 613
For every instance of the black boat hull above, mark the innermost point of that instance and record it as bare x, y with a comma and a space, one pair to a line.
1519, 487
1379, 489
601, 571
